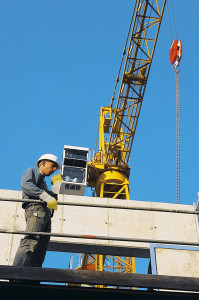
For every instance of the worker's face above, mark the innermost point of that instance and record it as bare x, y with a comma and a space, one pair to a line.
49, 167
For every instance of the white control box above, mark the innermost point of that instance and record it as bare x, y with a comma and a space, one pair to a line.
74, 170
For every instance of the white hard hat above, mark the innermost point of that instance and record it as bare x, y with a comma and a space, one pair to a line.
50, 157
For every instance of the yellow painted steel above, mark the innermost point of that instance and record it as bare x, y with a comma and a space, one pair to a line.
109, 169
112, 184
117, 125
119, 186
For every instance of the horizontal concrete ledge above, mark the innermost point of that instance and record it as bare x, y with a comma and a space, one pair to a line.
72, 247
100, 278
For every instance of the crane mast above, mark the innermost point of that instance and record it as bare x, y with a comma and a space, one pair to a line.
109, 170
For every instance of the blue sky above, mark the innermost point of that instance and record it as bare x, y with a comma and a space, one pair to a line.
59, 61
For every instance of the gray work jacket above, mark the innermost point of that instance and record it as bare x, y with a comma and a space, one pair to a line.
34, 186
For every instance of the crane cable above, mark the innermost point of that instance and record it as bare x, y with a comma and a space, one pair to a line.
177, 137
175, 54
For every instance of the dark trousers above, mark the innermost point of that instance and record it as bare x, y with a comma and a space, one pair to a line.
32, 248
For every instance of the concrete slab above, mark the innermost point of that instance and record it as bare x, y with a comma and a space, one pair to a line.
103, 217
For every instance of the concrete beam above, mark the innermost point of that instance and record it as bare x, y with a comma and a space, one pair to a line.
122, 222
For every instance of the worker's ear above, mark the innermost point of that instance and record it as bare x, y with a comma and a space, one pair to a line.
43, 163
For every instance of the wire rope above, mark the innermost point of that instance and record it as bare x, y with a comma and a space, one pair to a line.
171, 39
177, 137
174, 19
177, 70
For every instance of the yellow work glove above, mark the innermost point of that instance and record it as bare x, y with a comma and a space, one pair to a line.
51, 203
56, 178
56, 183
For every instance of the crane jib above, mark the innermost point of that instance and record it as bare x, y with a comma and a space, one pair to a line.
118, 122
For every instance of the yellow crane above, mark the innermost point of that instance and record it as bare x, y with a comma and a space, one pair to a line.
109, 169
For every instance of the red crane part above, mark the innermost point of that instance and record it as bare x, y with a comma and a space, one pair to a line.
175, 52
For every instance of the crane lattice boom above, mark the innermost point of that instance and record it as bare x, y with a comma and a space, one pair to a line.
109, 170
117, 125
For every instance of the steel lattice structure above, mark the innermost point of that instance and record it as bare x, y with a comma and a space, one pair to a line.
117, 124
109, 169
142, 42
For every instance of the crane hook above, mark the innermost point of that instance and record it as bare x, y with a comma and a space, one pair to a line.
175, 53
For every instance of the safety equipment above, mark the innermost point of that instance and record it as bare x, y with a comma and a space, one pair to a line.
50, 157
56, 183
56, 178
51, 202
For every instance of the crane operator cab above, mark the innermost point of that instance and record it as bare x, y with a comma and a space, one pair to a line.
74, 170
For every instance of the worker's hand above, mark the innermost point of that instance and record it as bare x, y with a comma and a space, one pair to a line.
51, 203
56, 183
56, 178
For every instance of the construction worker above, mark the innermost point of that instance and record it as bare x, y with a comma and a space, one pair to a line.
32, 248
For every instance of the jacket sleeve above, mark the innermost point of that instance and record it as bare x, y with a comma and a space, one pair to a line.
29, 184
